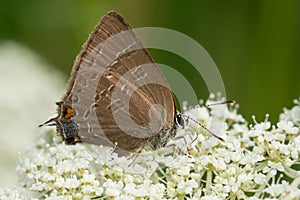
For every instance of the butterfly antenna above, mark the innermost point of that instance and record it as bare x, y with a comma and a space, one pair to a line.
47, 122
208, 105
218, 137
220, 103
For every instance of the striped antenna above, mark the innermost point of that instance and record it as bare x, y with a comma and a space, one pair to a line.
204, 127
220, 103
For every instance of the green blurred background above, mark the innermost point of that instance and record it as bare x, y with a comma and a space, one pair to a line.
255, 44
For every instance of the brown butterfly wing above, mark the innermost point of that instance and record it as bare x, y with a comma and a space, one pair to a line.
113, 85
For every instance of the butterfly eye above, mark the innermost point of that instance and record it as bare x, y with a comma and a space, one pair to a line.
179, 120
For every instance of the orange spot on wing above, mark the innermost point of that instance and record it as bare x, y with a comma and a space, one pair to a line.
69, 113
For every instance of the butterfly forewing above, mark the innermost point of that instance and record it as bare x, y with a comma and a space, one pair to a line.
115, 90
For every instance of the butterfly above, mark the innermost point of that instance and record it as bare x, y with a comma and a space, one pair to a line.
116, 94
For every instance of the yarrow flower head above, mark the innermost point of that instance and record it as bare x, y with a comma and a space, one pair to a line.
259, 161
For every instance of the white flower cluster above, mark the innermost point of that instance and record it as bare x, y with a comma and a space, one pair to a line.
259, 161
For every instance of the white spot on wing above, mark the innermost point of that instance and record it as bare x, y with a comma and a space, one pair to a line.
126, 50
102, 91
141, 77
86, 114
90, 128
136, 69
123, 87
94, 62
109, 76
113, 102
110, 87
114, 62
